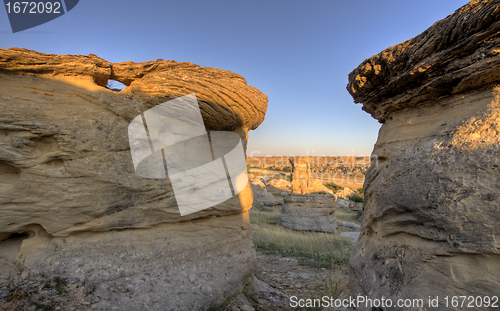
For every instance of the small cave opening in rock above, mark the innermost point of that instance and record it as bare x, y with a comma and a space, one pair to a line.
10, 244
16, 236
115, 86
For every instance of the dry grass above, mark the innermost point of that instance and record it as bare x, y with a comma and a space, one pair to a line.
323, 250
315, 249
342, 215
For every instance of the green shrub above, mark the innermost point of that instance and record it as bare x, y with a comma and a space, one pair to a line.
356, 198
283, 177
345, 216
333, 186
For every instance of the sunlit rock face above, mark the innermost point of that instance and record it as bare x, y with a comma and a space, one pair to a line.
431, 211
308, 207
72, 204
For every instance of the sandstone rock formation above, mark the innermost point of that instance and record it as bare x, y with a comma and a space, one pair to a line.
301, 175
310, 212
307, 208
259, 190
71, 203
257, 181
277, 186
431, 211
272, 206
344, 193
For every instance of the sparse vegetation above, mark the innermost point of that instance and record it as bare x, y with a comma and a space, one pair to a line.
285, 169
317, 250
39, 292
330, 286
345, 216
19, 263
333, 186
60, 284
283, 177
278, 196
42, 293
356, 198
257, 206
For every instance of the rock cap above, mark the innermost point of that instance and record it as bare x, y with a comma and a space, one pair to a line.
455, 55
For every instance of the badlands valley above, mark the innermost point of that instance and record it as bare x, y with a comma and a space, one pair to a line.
416, 223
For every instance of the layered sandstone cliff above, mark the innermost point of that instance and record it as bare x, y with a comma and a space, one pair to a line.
432, 204
71, 203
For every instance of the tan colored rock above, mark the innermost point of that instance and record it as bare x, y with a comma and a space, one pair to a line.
457, 54
280, 184
430, 221
272, 206
308, 207
316, 185
301, 175
309, 212
302, 179
259, 190
70, 194
344, 193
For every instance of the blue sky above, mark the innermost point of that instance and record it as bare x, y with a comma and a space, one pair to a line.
297, 52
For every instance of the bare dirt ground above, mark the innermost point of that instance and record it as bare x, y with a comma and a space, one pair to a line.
26, 291
302, 281
21, 289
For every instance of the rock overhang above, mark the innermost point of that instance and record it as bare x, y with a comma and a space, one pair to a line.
457, 54
226, 100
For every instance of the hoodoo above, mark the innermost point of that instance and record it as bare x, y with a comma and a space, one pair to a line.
71, 203
432, 194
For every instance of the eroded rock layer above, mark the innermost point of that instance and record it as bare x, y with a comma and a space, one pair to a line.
455, 55
308, 207
432, 204
71, 203
309, 212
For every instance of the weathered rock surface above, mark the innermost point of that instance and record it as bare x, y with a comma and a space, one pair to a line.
261, 195
457, 54
272, 206
344, 193
306, 208
257, 181
311, 212
342, 203
71, 203
226, 101
278, 185
431, 211
301, 175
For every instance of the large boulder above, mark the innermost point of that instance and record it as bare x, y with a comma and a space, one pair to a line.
344, 193
71, 203
430, 223
309, 212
